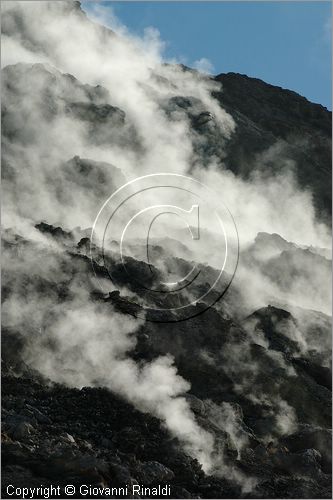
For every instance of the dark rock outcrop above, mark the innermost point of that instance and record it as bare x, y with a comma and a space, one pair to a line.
269, 116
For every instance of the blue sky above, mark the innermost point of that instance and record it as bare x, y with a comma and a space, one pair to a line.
284, 43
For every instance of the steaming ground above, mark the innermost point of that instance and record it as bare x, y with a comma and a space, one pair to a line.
244, 389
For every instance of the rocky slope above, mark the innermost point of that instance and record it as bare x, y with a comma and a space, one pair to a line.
277, 441
273, 117
63, 436
234, 403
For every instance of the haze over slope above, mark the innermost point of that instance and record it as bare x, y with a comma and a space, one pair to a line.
86, 110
